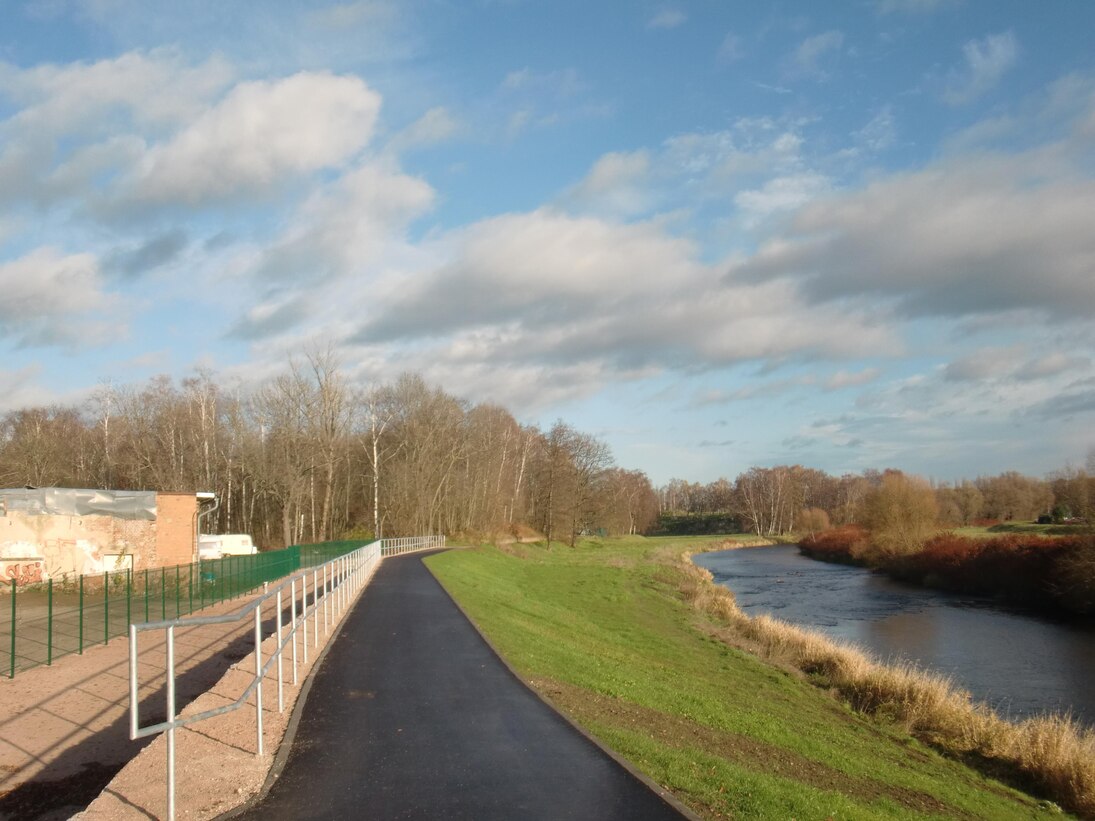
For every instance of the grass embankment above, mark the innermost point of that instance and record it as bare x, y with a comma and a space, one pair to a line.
652, 658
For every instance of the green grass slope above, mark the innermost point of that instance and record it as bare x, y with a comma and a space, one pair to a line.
602, 632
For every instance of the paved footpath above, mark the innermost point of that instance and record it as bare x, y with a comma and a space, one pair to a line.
413, 716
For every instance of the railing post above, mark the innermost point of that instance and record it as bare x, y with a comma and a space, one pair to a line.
81, 614
304, 612
132, 682
326, 600
128, 597
171, 719
49, 622
258, 679
293, 621
315, 608
106, 608
281, 700
146, 618
13, 588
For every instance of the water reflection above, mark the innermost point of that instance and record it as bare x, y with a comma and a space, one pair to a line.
1019, 663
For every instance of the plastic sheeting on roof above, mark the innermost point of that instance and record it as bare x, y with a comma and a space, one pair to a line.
62, 501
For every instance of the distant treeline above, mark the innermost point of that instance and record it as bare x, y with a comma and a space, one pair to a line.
694, 524
792, 498
305, 457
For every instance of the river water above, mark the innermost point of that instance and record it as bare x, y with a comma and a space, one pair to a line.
1019, 663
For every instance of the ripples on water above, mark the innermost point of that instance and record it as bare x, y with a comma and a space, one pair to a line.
1017, 662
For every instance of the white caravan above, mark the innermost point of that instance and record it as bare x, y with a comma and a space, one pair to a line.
225, 544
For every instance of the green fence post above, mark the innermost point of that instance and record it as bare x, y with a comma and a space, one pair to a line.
13, 586
190, 585
201, 588
49, 622
81, 614
106, 607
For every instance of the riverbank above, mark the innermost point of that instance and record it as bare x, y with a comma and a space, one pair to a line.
1051, 574
638, 646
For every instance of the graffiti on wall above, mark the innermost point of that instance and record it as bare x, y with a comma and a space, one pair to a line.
21, 561
29, 563
21, 572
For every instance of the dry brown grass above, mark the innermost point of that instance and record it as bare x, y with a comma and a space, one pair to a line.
1053, 754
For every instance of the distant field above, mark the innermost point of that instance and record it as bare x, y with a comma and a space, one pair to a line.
602, 631
1005, 528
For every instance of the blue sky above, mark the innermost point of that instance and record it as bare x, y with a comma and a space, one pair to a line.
849, 235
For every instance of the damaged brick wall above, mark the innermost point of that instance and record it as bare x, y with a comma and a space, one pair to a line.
37, 547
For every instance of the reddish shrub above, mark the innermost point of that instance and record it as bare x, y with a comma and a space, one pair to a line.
841, 544
1016, 567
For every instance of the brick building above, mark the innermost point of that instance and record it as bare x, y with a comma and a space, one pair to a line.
51, 533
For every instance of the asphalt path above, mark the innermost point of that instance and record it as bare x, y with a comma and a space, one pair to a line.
413, 716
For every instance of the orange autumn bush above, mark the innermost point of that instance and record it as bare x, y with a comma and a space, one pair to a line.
840, 544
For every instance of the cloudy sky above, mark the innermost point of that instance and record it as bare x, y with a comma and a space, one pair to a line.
849, 235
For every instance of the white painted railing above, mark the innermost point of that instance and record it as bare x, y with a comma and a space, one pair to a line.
407, 544
333, 587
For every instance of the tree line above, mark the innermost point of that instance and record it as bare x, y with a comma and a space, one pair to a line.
306, 457
791, 498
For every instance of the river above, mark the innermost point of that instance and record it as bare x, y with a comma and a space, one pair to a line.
1019, 663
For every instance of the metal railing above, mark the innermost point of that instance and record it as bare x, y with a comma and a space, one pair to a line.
393, 547
44, 621
334, 586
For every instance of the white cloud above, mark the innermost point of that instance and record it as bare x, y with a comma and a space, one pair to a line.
879, 133
850, 379
544, 290
781, 194
435, 126
23, 389
348, 15
1008, 363
986, 363
259, 134
531, 99
351, 227
559, 84
815, 56
1053, 364
155, 88
52, 298
970, 236
669, 18
617, 184
986, 62
731, 49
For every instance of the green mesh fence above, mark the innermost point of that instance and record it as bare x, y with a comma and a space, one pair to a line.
39, 623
